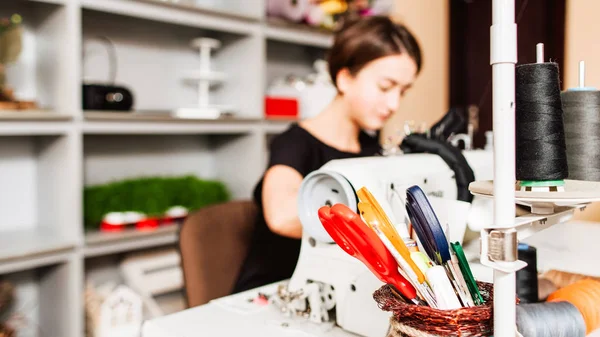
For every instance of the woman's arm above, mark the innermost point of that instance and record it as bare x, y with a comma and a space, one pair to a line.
279, 196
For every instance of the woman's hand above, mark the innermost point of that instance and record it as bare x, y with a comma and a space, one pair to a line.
280, 195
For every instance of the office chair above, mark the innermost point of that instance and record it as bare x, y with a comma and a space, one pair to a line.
213, 243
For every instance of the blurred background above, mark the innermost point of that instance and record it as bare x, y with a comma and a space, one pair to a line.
118, 117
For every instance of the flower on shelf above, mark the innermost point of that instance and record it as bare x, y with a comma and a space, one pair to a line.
326, 14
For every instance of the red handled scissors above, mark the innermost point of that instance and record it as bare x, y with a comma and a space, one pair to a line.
349, 231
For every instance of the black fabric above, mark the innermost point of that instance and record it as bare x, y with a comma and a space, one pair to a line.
272, 257
419, 143
453, 121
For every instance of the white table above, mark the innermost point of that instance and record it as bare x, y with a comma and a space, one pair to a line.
571, 247
236, 316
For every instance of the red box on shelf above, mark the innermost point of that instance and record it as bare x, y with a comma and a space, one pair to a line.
281, 108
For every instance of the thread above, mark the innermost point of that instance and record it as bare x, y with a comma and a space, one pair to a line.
582, 122
563, 279
527, 278
545, 288
540, 140
585, 296
556, 319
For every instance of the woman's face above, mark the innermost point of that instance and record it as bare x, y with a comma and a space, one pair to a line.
374, 93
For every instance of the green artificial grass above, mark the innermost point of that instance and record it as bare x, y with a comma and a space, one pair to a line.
150, 195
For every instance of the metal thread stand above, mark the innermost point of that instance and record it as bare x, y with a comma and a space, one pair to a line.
499, 242
503, 55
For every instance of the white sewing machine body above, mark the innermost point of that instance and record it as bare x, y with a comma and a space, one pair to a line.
330, 288
338, 181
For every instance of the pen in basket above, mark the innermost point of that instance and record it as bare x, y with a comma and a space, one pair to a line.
463, 291
462, 288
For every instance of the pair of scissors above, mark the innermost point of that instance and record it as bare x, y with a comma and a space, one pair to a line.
348, 230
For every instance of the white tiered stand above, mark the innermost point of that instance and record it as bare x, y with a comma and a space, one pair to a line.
499, 243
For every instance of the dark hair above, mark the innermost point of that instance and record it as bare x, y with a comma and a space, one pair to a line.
360, 41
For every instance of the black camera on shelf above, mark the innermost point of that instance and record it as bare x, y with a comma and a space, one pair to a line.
106, 97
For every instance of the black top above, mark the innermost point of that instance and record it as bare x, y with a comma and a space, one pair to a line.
272, 257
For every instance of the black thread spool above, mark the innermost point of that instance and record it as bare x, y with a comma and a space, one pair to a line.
541, 158
527, 278
581, 106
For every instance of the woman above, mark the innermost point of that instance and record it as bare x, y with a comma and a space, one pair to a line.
373, 62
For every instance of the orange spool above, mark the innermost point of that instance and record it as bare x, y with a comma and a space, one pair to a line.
585, 296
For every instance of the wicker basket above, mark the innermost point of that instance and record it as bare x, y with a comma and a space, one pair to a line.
411, 320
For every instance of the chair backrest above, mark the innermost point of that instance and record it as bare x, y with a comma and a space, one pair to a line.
213, 243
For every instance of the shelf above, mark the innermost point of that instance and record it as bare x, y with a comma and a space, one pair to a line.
53, 2
176, 15
272, 127
216, 11
161, 123
101, 243
32, 115
33, 123
298, 34
28, 249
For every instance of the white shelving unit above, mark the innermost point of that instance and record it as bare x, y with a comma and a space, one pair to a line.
51, 154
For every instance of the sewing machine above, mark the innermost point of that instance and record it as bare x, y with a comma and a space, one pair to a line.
334, 284
330, 293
